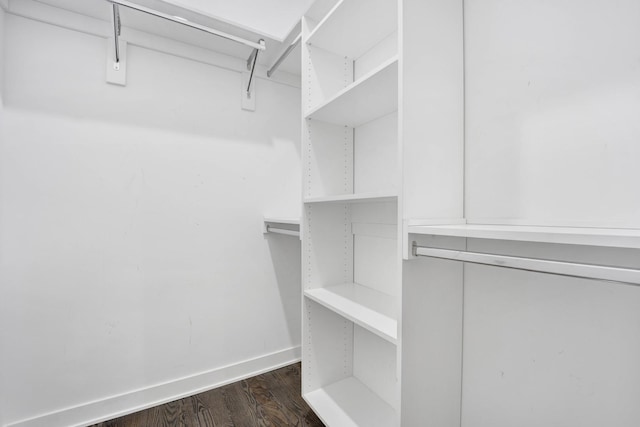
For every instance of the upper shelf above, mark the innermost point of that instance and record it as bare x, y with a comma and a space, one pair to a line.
372, 96
282, 225
382, 196
282, 220
352, 27
609, 237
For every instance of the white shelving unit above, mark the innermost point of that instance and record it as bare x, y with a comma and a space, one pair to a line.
350, 262
384, 145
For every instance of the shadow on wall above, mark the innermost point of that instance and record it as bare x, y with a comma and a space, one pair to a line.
163, 91
285, 253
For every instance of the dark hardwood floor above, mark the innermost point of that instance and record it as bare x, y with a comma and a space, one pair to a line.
271, 399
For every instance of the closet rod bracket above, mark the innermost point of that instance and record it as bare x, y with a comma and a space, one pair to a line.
117, 29
248, 91
251, 65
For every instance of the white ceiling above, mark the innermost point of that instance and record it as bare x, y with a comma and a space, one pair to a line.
271, 18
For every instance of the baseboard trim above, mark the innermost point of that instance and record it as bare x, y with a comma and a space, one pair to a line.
115, 406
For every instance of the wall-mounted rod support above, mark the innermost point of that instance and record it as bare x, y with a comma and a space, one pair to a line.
253, 59
284, 55
116, 35
559, 268
271, 229
188, 23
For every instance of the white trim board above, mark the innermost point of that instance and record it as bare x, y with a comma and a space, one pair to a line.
47, 14
136, 400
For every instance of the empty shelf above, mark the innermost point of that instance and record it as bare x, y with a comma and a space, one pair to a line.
349, 403
282, 220
355, 198
372, 96
609, 237
366, 307
352, 27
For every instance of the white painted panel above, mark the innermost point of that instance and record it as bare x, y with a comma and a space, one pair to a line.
374, 363
381, 52
327, 347
116, 232
328, 157
432, 314
552, 107
325, 75
375, 213
431, 112
328, 245
375, 263
376, 155
547, 350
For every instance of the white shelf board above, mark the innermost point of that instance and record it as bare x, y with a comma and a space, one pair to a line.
370, 97
353, 27
355, 198
349, 403
366, 307
282, 220
609, 237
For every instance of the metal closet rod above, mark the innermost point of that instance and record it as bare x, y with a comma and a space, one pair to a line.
559, 268
125, 3
284, 55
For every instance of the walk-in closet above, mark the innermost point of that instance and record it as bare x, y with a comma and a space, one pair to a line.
341, 213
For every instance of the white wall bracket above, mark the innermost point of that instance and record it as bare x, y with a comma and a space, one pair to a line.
117, 70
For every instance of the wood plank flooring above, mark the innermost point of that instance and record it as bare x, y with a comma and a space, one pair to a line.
269, 400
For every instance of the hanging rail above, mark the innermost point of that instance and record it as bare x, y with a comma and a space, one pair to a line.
559, 268
284, 55
117, 28
276, 230
251, 65
125, 3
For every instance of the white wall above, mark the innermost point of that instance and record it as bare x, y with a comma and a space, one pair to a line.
552, 106
131, 246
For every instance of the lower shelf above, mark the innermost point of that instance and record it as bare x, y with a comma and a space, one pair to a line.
366, 307
349, 403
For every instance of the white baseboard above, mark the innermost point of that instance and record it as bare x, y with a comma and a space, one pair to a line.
137, 400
